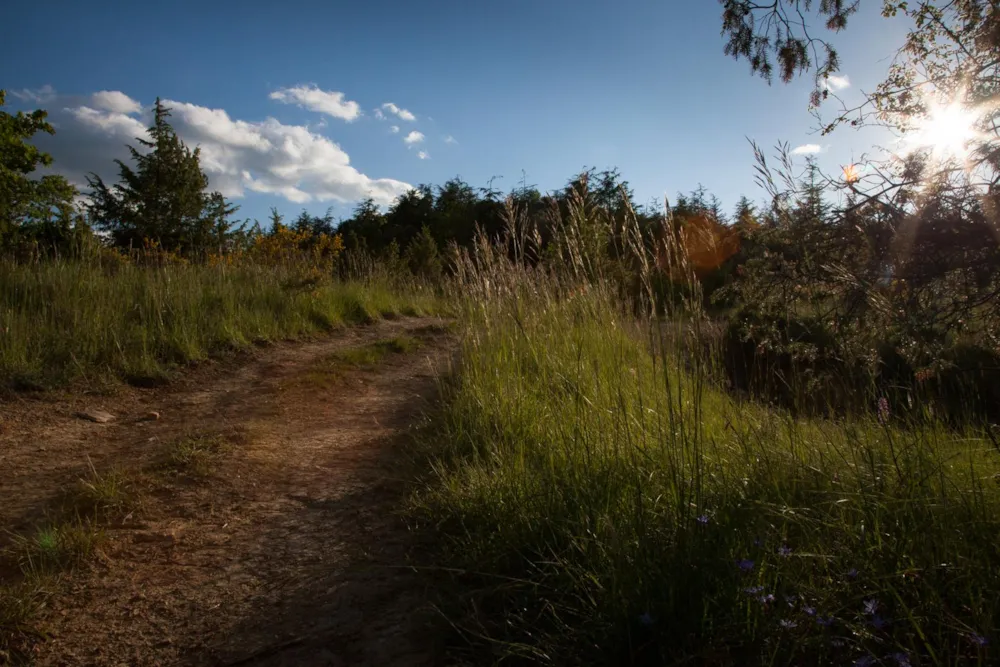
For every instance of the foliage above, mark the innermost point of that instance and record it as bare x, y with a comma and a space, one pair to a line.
422, 255
164, 199
835, 308
309, 243
36, 215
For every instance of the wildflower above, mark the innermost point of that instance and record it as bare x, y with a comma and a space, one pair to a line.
902, 659
852, 573
883, 410
703, 519
646, 619
766, 599
825, 621
783, 550
790, 600
871, 606
878, 622
787, 624
864, 661
809, 611
978, 639
753, 590
745, 564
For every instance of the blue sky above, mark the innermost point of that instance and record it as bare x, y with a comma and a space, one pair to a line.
546, 88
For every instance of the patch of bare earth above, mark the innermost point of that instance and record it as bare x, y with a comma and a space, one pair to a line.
282, 546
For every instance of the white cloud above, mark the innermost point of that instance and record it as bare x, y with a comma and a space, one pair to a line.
268, 156
394, 129
807, 149
311, 97
403, 114
113, 124
379, 115
423, 155
42, 95
115, 100
413, 138
836, 82
450, 140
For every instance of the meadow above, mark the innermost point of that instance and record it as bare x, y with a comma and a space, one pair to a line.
605, 498
110, 319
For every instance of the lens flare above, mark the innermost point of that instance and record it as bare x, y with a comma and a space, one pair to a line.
948, 131
852, 174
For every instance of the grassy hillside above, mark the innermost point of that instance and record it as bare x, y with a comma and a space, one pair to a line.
64, 321
607, 506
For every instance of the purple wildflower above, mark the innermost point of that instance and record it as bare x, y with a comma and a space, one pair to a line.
853, 573
790, 600
883, 410
787, 624
784, 550
809, 611
745, 564
902, 659
766, 599
753, 590
864, 661
871, 606
646, 619
978, 639
703, 519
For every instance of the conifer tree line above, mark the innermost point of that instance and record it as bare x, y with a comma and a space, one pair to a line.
163, 198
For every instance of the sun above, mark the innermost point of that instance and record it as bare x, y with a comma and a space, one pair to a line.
948, 131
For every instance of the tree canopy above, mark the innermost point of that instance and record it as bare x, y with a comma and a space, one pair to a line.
34, 212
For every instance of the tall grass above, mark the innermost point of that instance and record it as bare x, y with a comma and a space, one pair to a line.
607, 504
63, 321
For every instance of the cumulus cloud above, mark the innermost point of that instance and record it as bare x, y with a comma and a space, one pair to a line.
450, 140
836, 82
115, 100
807, 149
311, 97
423, 155
413, 138
379, 115
403, 114
394, 129
267, 156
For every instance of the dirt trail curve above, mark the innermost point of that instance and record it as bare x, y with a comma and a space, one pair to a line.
288, 551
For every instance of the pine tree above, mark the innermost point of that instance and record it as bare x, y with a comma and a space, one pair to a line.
165, 198
422, 255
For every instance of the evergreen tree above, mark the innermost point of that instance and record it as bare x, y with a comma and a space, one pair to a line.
314, 224
422, 255
364, 229
165, 198
745, 216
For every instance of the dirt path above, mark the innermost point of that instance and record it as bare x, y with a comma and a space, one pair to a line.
282, 547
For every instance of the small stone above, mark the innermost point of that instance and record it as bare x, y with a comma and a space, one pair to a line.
97, 416
151, 416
